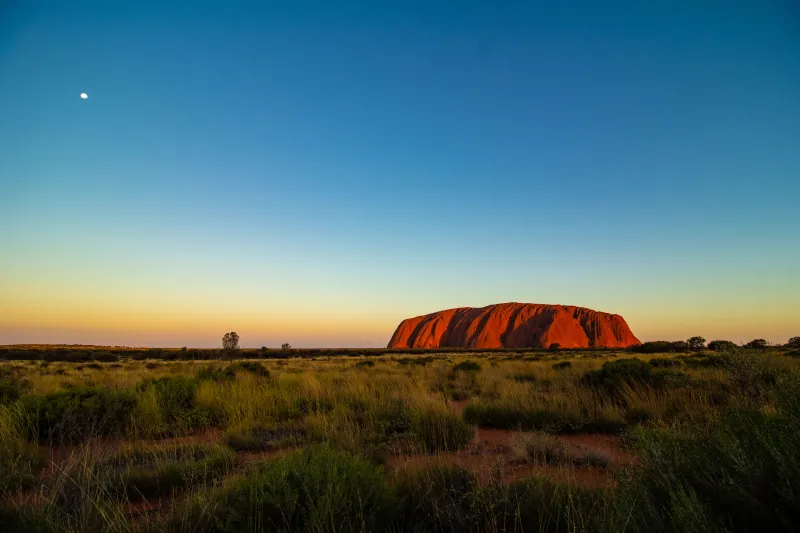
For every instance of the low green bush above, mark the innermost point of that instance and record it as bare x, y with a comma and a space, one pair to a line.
148, 472
12, 385
614, 376
539, 504
664, 362
80, 413
740, 474
318, 490
251, 367
435, 499
365, 364
213, 373
264, 438
563, 365
176, 397
467, 366
501, 416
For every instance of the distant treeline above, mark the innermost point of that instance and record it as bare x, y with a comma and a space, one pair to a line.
107, 354
114, 354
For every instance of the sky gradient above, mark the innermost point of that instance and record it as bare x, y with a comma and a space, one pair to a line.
315, 172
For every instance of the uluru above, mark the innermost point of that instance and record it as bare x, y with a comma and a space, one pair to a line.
514, 325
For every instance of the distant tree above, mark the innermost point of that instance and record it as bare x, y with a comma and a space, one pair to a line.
756, 344
554, 347
794, 342
286, 346
696, 343
722, 346
230, 341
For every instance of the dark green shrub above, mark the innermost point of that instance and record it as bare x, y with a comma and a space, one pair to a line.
436, 499
554, 347
794, 342
436, 431
490, 415
264, 438
176, 399
251, 367
12, 385
394, 418
467, 366
80, 413
756, 344
213, 373
664, 362
94, 366
422, 361
614, 376
145, 473
312, 405
365, 364
525, 377
538, 504
661, 347
722, 346
319, 490
563, 365
740, 474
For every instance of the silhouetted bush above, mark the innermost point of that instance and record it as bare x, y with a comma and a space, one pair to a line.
365, 364
563, 365
12, 385
794, 342
722, 346
660, 347
756, 344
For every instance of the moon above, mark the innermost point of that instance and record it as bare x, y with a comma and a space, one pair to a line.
84, 96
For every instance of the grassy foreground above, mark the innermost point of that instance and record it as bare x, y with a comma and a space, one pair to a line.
313, 444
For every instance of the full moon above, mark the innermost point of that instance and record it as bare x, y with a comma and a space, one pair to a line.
84, 96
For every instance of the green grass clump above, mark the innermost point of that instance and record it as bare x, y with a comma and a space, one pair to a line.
12, 385
741, 473
439, 430
318, 490
541, 505
467, 366
365, 364
168, 406
80, 413
251, 367
615, 376
563, 365
212, 373
20, 462
435, 499
148, 472
509, 416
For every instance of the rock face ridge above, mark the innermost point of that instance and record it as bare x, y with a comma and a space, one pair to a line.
514, 325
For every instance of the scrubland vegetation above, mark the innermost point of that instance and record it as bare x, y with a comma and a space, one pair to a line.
693, 439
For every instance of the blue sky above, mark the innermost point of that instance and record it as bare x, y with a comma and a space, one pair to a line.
314, 172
